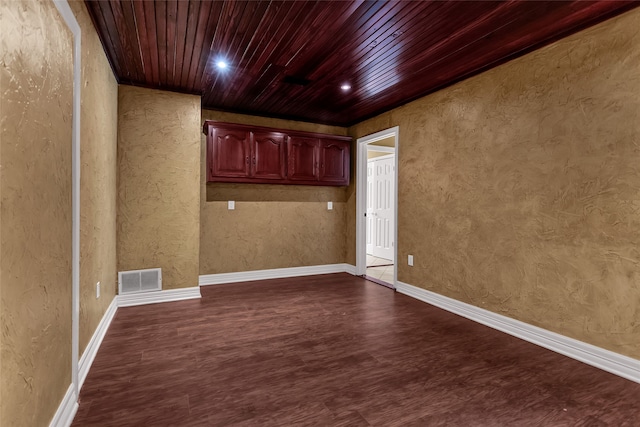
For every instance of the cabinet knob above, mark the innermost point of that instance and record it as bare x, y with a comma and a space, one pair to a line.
247, 159
254, 160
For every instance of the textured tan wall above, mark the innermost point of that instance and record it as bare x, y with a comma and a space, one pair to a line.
99, 139
272, 226
158, 207
36, 80
519, 188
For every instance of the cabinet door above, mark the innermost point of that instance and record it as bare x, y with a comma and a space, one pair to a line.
303, 158
334, 162
230, 152
268, 155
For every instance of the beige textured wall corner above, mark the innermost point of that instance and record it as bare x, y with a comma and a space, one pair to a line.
519, 188
158, 206
272, 226
36, 80
99, 137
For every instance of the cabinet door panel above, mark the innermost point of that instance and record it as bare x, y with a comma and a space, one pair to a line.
303, 158
268, 156
334, 161
230, 153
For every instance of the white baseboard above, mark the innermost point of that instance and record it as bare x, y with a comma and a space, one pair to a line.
158, 296
66, 410
351, 269
94, 344
623, 366
275, 273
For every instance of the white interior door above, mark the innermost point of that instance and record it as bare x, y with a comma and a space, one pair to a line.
370, 204
380, 207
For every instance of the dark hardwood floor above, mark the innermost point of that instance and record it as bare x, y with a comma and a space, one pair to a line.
334, 350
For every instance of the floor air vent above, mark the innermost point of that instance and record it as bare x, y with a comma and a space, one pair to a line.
135, 281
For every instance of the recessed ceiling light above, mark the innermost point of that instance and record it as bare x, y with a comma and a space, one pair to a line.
345, 86
222, 65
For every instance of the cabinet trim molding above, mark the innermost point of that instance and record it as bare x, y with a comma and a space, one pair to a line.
251, 128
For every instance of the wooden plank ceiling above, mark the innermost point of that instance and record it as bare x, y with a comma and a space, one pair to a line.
289, 59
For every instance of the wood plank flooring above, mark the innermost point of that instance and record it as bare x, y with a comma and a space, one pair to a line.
334, 350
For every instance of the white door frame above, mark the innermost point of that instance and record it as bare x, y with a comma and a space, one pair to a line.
361, 199
70, 19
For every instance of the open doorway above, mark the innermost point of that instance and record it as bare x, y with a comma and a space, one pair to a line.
376, 228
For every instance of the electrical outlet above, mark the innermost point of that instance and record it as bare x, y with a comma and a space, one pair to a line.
98, 290
231, 205
410, 260
330, 206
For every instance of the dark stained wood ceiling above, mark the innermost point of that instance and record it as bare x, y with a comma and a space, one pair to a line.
289, 59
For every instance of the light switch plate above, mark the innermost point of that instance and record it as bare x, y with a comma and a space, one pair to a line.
410, 260
232, 205
330, 206
98, 290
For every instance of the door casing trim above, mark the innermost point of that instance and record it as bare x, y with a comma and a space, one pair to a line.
361, 198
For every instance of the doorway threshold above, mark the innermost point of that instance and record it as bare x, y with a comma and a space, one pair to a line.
378, 282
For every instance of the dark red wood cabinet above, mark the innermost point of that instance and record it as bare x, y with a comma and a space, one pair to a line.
334, 161
251, 154
230, 152
268, 154
303, 158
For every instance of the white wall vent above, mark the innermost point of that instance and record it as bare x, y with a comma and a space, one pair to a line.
135, 281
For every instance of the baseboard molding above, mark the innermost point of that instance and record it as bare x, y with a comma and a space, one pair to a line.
275, 273
94, 344
155, 297
623, 366
351, 269
66, 410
